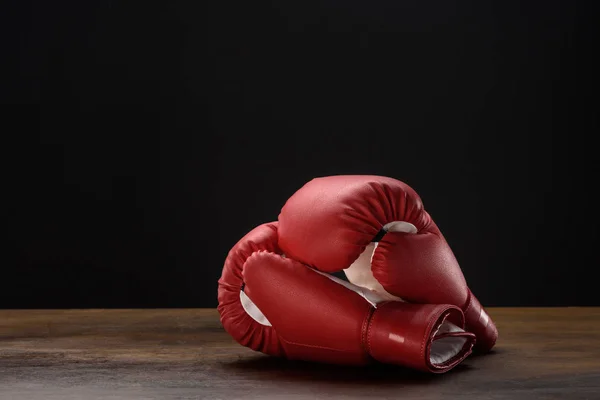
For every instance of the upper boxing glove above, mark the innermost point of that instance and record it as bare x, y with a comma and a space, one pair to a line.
276, 305
376, 230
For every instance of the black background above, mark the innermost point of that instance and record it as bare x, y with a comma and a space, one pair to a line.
142, 140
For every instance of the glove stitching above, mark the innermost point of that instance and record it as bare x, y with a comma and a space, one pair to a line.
222, 283
310, 345
365, 339
470, 303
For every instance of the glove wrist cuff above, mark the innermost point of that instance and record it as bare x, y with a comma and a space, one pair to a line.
418, 336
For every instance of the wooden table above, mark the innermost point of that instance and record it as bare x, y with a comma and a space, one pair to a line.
544, 353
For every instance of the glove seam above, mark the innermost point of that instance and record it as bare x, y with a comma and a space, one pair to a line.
470, 301
314, 346
227, 285
366, 330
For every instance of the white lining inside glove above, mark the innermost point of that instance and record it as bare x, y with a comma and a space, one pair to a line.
445, 348
252, 310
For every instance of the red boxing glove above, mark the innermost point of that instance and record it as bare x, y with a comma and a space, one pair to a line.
376, 230
279, 306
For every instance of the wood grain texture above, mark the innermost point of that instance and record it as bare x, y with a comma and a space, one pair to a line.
542, 353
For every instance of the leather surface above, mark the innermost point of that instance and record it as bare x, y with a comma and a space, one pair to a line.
329, 222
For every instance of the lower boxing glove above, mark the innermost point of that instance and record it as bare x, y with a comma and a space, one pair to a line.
281, 307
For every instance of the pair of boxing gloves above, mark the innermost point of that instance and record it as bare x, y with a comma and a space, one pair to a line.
406, 301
